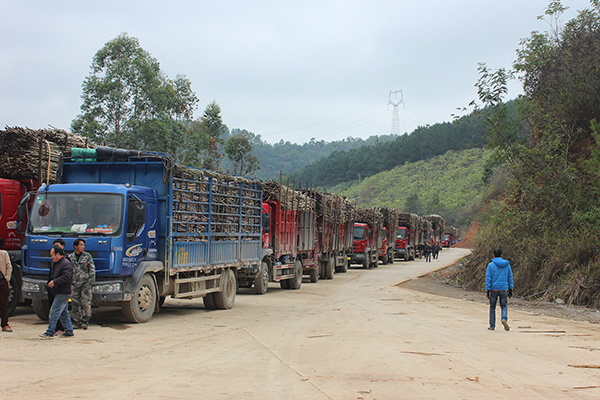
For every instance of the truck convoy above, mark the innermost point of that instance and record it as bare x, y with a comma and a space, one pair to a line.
437, 227
156, 229
153, 228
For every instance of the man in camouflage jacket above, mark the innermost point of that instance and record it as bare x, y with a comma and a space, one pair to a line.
84, 276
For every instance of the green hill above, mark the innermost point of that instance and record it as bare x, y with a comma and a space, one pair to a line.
450, 185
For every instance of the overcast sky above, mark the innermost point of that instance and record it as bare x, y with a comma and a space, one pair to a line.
291, 70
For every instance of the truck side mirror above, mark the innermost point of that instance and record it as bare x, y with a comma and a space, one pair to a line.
266, 222
22, 210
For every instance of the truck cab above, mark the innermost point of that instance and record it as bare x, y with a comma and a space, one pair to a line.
363, 249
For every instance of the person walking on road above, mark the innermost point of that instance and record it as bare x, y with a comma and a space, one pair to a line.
60, 285
5, 274
428, 253
499, 284
57, 242
84, 276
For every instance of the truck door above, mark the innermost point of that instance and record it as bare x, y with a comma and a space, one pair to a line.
141, 232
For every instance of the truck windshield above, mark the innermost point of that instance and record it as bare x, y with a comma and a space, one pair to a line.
359, 233
400, 234
77, 213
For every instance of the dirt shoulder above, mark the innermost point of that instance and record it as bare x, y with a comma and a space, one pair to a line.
440, 283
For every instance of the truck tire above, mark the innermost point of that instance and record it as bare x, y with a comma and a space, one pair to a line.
141, 307
15, 293
344, 267
329, 268
406, 255
390, 256
209, 301
384, 259
296, 282
411, 257
314, 275
41, 308
366, 262
261, 282
226, 297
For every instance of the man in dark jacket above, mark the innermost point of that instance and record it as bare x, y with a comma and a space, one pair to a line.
498, 284
60, 285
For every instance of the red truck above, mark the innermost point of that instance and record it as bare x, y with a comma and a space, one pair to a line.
289, 242
450, 235
409, 235
368, 237
11, 237
386, 248
334, 233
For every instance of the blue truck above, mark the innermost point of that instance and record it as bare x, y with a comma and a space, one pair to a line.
154, 229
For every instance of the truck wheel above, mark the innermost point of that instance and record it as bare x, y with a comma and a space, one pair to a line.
411, 257
366, 262
344, 267
384, 260
296, 281
209, 301
41, 309
314, 275
406, 255
15, 293
390, 257
261, 282
329, 268
141, 307
226, 297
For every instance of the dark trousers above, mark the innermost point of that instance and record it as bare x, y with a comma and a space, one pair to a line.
4, 296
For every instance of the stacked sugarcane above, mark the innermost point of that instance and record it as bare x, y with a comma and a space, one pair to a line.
289, 198
193, 214
409, 220
437, 225
371, 216
22, 148
332, 207
390, 218
450, 230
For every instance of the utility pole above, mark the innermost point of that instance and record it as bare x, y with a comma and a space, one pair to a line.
395, 103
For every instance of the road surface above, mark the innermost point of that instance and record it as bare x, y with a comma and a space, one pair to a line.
358, 336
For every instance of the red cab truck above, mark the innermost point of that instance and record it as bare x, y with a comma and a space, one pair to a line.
450, 236
408, 236
368, 238
289, 243
386, 248
11, 237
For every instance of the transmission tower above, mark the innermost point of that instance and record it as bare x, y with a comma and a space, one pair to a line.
396, 98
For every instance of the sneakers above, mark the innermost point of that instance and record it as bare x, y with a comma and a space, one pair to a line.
505, 323
6, 328
46, 336
66, 334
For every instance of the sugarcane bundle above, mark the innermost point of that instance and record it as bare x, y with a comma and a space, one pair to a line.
371, 216
437, 222
409, 220
289, 198
20, 152
390, 217
450, 230
426, 225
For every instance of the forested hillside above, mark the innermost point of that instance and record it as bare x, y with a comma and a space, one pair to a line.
287, 156
423, 143
546, 219
450, 185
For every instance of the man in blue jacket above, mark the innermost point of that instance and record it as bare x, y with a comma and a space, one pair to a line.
499, 283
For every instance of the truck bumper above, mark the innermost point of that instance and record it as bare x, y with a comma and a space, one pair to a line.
399, 253
34, 288
356, 258
109, 291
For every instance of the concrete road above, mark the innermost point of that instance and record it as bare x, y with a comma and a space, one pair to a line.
357, 336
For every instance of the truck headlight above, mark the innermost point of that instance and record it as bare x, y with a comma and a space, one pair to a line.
107, 288
31, 286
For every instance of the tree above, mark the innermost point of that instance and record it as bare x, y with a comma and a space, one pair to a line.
207, 137
129, 102
238, 149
